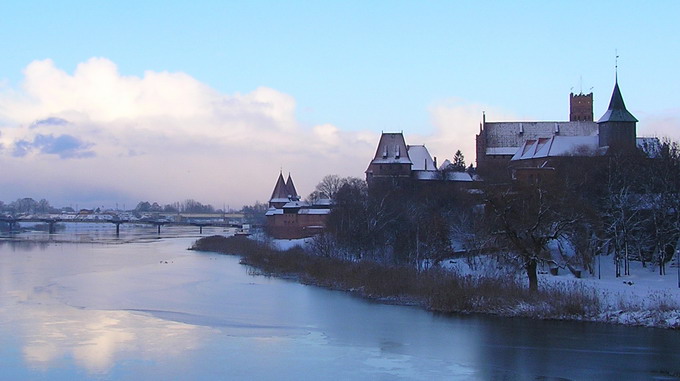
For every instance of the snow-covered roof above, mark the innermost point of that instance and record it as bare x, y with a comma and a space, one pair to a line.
443, 175
427, 175
420, 157
445, 164
457, 176
501, 151
322, 202
296, 204
273, 211
392, 149
557, 146
503, 135
314, 211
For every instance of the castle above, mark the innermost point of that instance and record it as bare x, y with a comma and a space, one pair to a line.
289, 217
527, 149
397, 163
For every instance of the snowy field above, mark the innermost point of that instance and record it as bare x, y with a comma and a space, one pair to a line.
642, 298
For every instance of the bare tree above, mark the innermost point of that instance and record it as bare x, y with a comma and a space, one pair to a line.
328, 187
524, 219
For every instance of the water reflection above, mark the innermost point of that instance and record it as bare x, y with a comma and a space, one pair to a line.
152, 310
96, 340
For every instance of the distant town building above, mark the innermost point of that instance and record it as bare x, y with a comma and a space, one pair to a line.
289, 217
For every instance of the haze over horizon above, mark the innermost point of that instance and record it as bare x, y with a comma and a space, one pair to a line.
105, 103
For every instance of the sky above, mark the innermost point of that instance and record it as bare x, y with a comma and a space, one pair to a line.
108, 103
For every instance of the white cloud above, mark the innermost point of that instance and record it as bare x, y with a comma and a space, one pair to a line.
456, 123
95, 135
96, 138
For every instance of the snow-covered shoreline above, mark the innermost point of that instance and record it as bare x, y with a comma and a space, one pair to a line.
643, 298
640, 299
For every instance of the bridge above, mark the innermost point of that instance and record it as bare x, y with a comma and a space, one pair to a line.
199, 221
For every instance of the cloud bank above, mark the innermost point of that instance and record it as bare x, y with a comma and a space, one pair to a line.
95, 135
97, 138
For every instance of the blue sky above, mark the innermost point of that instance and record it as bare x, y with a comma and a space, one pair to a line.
355, 67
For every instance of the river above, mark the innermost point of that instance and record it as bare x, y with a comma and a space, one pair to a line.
83, 304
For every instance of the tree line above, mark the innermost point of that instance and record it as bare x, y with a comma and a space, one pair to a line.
624, 207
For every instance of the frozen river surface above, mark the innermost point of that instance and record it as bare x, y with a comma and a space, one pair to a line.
150, 309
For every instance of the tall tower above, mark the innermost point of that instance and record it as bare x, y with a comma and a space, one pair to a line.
616, 128
581, 107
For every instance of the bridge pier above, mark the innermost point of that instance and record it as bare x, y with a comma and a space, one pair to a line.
200, 226
118, 222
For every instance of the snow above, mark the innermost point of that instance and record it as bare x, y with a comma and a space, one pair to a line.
422, 161
458, 176
557, 146
642, 298
285, 244
501, 151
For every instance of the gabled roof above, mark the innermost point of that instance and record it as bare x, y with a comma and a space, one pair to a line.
391, 149
420, 157
557, 146
617, 109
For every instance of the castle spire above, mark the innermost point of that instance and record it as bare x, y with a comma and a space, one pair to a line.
617, 111
292, 192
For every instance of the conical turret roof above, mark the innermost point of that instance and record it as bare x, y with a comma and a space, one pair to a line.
617, 109
280, 192
291, 187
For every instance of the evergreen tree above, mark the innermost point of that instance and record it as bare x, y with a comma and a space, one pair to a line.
458, 162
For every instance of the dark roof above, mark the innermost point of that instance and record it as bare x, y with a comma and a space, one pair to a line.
291, 187
617, 109
392, 149
280, 189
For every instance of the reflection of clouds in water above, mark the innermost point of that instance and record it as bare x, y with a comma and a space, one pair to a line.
96, 340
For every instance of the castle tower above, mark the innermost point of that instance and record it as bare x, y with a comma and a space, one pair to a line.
581, 107
292, 192
617, 127
391, 160
281, 193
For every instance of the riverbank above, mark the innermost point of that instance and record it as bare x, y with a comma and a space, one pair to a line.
437, 289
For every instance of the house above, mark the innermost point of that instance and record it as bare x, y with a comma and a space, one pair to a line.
289, 217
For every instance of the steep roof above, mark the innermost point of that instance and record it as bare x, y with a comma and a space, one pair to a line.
420, 157
291, 187
617, 109
391, 149
557, 146
281, 191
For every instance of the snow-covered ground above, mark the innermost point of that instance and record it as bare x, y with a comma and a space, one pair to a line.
642, 298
